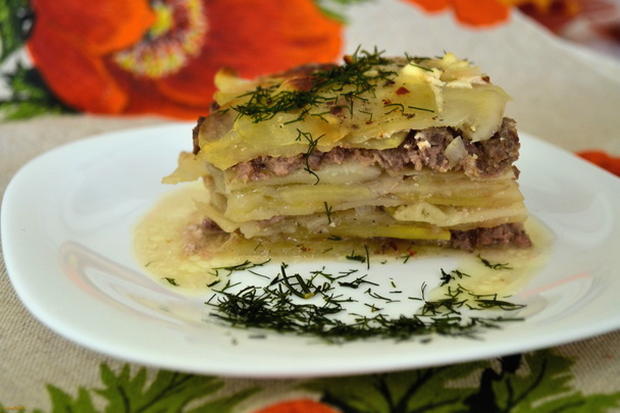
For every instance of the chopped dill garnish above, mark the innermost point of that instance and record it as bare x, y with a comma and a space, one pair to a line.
245, 265
357, 282
211, 284
258, 274
504, 305
374, 295
367, 257
396, 106
446, 277
494, 266
328, 212
367, 113
311, 147
320, 115
360, 74
354, 257
292, 303
228, 286
416, 60
422, 109
372, 307
331, 277
347, 273
171, 281
421, 67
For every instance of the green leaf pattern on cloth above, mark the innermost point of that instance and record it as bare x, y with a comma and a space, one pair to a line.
29, 97
166, 392
29, 94
15, 24
546, 388
411, 391
540, 382
537, 382
64, 403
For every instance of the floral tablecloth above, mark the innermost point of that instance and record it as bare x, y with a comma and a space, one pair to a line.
563, 94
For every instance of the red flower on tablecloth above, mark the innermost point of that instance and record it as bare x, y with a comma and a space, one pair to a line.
602, 159
298, 406
471, 12
116, 56
489, 12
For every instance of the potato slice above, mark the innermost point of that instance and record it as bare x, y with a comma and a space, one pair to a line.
400, 231
345, 174
451, 217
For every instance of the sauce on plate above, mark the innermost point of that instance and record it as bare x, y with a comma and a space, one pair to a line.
161, 246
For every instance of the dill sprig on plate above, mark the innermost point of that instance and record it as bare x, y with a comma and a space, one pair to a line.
494, 266
245, 265
446, 277
171, 281
311, 306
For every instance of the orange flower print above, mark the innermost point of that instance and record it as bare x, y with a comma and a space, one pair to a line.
490, 12
470, 12
160, 56
602, 159
298, 406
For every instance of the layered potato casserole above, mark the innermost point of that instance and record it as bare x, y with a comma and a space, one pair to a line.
383, 148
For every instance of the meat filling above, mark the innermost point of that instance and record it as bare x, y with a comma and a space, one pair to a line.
420, 149
500, 236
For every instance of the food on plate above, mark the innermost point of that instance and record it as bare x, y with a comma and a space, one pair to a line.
378, 148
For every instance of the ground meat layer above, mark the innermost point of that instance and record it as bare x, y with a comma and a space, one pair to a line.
420, 149
500, 236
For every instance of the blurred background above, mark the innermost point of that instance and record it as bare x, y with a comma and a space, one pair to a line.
559, 59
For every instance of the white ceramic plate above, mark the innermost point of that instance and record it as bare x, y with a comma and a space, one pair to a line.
67, 220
